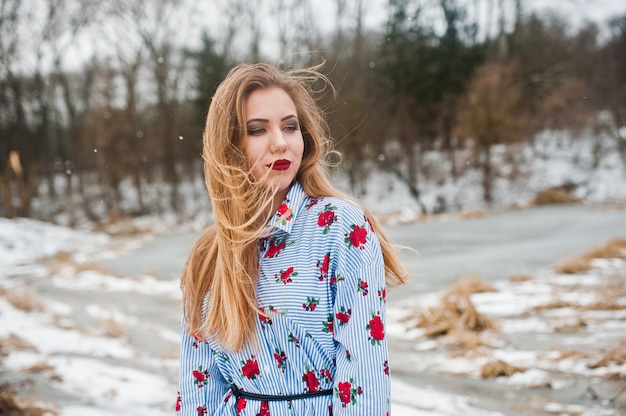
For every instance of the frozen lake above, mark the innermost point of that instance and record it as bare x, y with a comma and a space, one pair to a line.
496, 246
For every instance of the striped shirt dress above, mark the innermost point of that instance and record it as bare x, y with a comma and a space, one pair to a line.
321, 288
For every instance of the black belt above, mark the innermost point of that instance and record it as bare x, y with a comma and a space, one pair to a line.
237, 392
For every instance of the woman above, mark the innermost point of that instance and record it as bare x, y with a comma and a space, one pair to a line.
284, 296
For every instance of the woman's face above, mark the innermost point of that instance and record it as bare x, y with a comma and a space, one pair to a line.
274, 144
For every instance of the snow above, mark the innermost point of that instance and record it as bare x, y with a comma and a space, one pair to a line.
81, 369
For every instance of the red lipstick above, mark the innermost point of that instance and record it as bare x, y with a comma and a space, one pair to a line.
281, 164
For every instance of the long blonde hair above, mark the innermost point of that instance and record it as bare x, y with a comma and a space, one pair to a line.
223, 263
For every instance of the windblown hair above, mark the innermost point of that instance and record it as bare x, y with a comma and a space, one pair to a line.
220, 276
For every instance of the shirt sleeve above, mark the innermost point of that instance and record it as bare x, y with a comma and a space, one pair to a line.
361, 384
201, 384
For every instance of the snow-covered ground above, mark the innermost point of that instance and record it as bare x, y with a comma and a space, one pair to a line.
81, 340
68, 339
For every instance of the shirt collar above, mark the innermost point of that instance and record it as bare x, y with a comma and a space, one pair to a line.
285, 216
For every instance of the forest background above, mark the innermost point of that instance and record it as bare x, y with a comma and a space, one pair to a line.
102, 104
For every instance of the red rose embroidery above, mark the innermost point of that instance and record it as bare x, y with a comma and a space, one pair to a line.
325, 374
311, 204
265, 409
323, 266
285, 276
326, 218
377, 330
178, 402
250, 369
344, 392
311, 303
357, 237
281, 359
200, 377
347, 394
312, 383
343, 316
274, 249
294, 339
241, 404
201, 410
382, 295
386, 367
363, 287
328, 325
284, 209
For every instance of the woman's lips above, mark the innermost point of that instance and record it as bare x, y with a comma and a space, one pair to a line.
281, 164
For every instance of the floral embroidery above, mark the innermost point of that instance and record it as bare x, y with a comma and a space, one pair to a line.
311, 303
325, 374
201, 410
276, 245
178, 402
357, 237
382, 295
250, 368
347, 393
241, 404
322, 265
285, 275
362, 287
386, 367
265, 320
281, 359
328, 324
377, 330
294, 339
285, 212
200, 377
311, 204
265, 409
326, 218
343, 316
312, 383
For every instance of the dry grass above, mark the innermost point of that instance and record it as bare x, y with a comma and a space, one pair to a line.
25, 300
14, 343
112, 328
615, 355
556, 195
66, 259
468, 215
120, 226
499, 368
615, 248
43, 367
520, 278
556, 304
13, 405
457, 316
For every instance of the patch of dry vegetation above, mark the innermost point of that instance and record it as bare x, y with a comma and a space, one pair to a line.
520, 278
13, 405
614, 249
615, 355
120, 226
112, 328
499, 368
14, 343
24, 300
456, 316
555, 195
65, 259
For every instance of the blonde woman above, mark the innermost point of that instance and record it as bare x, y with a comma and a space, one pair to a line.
284, 296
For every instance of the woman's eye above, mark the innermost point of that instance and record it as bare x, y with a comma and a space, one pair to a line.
255, 132
292, 127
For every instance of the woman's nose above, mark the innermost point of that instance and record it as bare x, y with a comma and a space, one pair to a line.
278, 142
